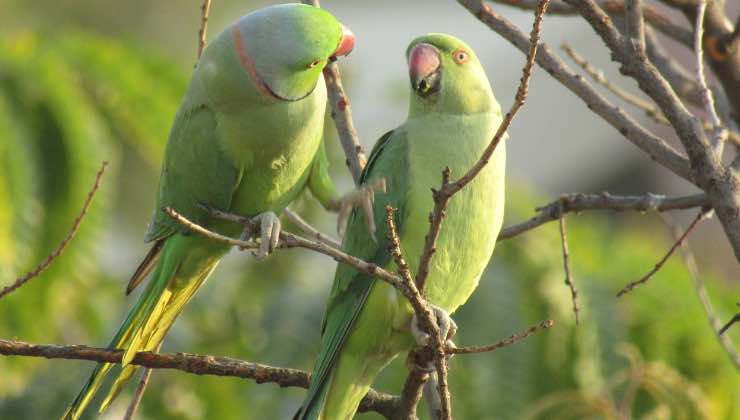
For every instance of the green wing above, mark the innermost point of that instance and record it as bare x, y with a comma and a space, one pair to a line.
195, 170
351, 288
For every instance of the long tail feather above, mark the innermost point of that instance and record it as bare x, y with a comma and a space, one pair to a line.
154, 313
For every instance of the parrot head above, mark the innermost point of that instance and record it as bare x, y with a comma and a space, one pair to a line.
447, 77
284, 48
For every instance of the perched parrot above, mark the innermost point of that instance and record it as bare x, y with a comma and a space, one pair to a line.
247, 139
452, 117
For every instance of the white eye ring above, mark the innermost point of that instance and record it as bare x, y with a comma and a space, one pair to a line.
460, 56
314, 63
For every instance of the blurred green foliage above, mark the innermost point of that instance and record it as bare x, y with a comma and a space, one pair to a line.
70, 101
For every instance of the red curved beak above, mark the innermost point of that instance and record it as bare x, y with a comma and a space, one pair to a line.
423, 61
346, 44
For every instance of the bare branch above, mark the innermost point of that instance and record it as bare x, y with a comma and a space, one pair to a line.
629, 287
205, 9
576, 202
655, 147
192, 363
701, 292
729, 323
718, 131
342, 115
721, 183
287, 241
505, 342
635, 24
133, 406
566, 267
683, 82
309, 230
62, 245
651, 110
653, 16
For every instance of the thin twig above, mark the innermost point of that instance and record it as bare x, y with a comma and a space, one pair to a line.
651, 110
577, 202
192, 363
138, 394
289, 240
205, 9
635, 24
701, 292
652, 15
729, 323
140, 388
62, 245
658, 149
629, 287
309, 230
566, 267
505, 342
718, 131
720, 182
341, 112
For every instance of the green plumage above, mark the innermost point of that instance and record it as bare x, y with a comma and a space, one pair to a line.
367, 322
247, 139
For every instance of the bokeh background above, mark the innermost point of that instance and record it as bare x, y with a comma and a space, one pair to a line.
87, 81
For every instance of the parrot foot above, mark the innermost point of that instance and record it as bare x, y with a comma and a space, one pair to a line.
269, 228
362, 197
447, 329
432, 398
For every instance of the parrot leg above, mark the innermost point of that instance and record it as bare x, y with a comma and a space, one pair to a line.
362, 197
270, 228
431, 396
447, 329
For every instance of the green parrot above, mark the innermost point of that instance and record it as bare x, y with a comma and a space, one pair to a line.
247, 139
452, 117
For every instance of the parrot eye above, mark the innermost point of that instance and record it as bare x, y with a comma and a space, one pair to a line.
314, 63
460, 56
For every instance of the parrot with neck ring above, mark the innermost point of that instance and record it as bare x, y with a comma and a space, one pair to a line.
247, 139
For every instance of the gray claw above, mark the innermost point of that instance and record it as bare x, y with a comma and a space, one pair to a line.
447, 327
270, 228
362, 197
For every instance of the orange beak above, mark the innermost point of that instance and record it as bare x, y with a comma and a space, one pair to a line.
346, 44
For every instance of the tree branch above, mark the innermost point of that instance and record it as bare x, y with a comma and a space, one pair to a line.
721, 183
192, 363
566, 267
205, 9
655, 147
577, 202
651, 110
309, 230
505, 342
718, 131
62, 245
342, 115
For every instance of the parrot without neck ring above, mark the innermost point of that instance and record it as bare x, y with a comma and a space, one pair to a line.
247, 139
452, 118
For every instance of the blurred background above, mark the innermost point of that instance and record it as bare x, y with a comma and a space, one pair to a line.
87, 81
